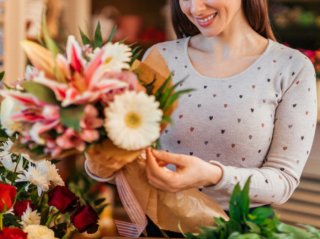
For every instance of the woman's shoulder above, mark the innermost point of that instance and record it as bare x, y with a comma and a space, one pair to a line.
172, 44
168, 48
291, 57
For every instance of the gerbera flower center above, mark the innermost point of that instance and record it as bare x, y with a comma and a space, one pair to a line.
133, 120
108, 60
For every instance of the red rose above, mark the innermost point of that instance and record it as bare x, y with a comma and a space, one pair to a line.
85, 219
7, 196
12, 233
21, 206
62, 198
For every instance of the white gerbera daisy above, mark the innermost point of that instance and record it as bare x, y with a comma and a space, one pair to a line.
30, 217
116, 56
133, 120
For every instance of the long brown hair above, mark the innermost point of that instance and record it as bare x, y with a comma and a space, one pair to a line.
256, 12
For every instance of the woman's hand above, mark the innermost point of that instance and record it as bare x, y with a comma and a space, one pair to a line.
191, 172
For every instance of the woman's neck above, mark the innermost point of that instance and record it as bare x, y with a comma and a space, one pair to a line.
239, 39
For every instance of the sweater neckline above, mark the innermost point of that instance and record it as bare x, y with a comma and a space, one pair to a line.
254, 65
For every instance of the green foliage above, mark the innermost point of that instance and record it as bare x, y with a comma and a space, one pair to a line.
49, 42
261, 223
40, 91
167, 95
71, 116
136, 51
98, 41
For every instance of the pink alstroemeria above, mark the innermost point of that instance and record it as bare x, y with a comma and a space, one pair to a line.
90, 123
70, 139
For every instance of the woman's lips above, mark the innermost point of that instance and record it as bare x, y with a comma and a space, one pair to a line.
207, 20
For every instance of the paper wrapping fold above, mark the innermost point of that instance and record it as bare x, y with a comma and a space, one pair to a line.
186, 210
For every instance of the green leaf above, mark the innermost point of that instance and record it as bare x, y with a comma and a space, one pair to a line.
99, 201
71, 116
50, 43
112, 34
174, 97
254, 228
260, 214
85, 39
98, 41
40, 91
312, 230
244, 236
2, 75
163, 87
234, 210
296, 232
244, 199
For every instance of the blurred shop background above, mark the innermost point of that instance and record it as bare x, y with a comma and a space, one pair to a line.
146, 22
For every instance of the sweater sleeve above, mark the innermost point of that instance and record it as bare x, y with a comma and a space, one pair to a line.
293, 134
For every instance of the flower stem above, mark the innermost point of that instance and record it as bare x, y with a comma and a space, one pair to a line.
68, 233
1, 221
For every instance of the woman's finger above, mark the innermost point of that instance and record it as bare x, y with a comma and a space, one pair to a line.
154, 169
167, 158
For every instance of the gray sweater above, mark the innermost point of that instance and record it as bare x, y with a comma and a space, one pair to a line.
260, 122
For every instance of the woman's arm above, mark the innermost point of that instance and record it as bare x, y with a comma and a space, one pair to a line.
294, 129
277, 178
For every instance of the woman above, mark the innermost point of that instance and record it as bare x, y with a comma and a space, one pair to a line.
253, 112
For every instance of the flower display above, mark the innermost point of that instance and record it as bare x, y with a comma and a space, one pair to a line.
34, 199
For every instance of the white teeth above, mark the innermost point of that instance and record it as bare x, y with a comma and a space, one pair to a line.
207, 19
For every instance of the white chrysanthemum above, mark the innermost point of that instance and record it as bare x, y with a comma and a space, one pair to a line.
133, 120
35, 177
39, 232
7, 162
30, 217
6, 158
43, 174
50, 170
116, 56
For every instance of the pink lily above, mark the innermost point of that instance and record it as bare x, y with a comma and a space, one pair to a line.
74, 55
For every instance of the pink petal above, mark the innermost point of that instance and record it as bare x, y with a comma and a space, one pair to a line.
74, 54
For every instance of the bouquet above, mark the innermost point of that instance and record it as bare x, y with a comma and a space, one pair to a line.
35, 202
98, 99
